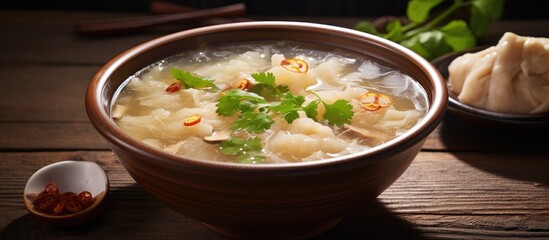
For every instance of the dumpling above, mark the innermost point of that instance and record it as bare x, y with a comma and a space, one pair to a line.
512, 77
227, 73
304, 137
296, 82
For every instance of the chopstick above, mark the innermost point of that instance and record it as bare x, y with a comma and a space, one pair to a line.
137, 23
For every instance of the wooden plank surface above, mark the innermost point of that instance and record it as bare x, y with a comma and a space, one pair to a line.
441, 195
469, 182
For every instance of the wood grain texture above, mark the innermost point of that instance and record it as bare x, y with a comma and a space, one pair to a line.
441, 196
468, 182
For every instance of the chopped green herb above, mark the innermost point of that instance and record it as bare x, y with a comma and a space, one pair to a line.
256, 114
236, 100
266, 87
311, 110
265, 78
338, 113
253, 122
247, 150
190, 81
289, 107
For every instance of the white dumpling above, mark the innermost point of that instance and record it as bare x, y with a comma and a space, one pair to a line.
330, 71
227, 73
472, 85
296, 82
301, 145
302, 138
512, 77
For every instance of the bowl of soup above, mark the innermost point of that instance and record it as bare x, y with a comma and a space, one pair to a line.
272, 130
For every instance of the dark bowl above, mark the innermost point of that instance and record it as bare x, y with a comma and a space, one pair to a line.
267, 201
486, 118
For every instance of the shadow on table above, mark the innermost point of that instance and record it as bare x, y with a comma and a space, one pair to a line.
372, 221
521, 155
131, 213
458, 134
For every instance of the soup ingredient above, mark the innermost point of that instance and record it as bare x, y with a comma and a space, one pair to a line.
295, 65
281, 102
375, 101
511, 77
119, 111
174, 87
247, 150
189, 80
50, 201
424, 35
243, 84
192, 120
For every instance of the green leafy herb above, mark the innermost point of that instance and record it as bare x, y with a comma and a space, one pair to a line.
289, 107
247, 150
253, 122
236, 100
265, 78
425, 35
190, 81
256, 114
311, 110
266, 86
338, 113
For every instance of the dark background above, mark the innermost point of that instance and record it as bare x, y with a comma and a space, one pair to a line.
514, 9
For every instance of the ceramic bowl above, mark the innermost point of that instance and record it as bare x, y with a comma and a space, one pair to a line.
70, 176
483, 117
267, 201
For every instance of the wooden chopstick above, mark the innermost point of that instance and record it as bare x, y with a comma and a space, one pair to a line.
137, 23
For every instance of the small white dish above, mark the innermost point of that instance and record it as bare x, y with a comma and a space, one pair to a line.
70, 176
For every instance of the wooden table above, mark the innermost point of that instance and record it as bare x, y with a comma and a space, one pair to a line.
467, 182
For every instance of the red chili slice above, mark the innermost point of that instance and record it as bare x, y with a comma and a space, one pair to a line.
174, 87
47, 203
68, 196
192, 120
375, 101
85, 198
243, 84
59, 208
52, 188
295, 65
73, 206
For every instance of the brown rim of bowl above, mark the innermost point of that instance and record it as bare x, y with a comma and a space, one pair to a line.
106, 127
442, 63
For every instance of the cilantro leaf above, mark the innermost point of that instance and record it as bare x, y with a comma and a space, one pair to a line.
254, 122
483, 13
394, 31
289, 107
190, 81
267, 78
311, 110
425, 35
247, 150
457, 35
236, 100
418, 10
266, 87
367, 27
338, 113
429, 44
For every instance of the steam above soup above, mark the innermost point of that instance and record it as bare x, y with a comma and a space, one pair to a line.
267, 102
